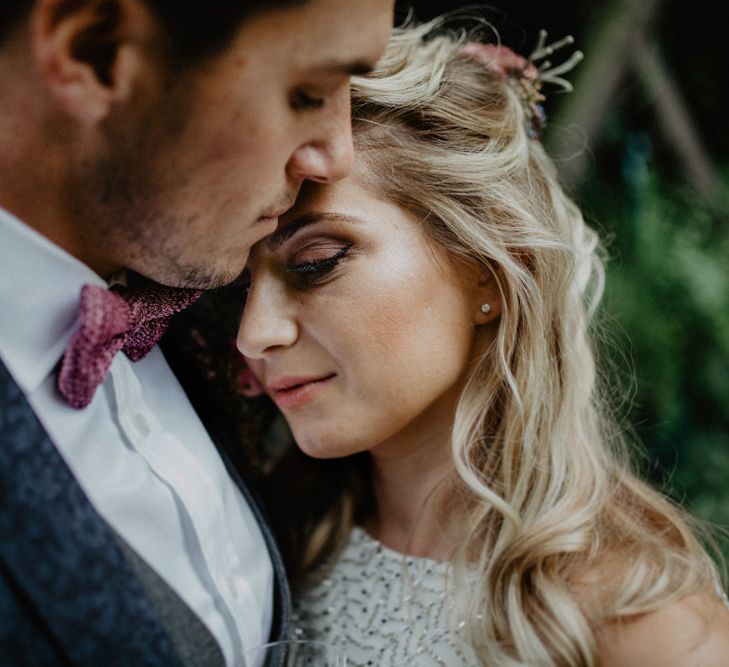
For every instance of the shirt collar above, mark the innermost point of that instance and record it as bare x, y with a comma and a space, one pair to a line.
39, 299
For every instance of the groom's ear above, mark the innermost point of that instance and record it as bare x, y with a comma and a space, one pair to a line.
91, 54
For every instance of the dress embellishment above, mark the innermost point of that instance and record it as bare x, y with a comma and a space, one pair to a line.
382, 608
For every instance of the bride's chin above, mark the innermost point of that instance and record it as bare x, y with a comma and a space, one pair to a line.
320, 451
323, 448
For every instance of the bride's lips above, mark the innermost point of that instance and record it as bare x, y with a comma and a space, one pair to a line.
291, 392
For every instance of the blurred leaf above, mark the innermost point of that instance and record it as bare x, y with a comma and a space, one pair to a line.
668, 290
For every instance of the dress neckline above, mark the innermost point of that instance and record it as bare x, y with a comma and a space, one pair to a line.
360, 538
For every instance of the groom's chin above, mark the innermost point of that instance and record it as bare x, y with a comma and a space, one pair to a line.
203, 276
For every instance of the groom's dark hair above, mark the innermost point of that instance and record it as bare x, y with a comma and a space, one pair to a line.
197, 28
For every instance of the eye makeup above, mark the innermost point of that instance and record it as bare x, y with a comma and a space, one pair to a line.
312, 273
321, 265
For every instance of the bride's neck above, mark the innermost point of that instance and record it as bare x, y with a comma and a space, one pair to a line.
409, 484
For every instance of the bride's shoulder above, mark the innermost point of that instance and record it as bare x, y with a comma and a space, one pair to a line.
689, 629
693, 631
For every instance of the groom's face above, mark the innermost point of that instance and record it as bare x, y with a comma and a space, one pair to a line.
200, 169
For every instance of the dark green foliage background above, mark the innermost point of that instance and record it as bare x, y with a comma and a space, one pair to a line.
667, 309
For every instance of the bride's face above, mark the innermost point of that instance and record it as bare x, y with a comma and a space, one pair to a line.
358, 329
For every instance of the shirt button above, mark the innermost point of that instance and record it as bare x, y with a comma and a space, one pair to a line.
141, 424
237, 585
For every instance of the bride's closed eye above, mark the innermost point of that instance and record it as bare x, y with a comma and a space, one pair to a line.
312, 264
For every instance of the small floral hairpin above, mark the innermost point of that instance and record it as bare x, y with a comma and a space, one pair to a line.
524, 74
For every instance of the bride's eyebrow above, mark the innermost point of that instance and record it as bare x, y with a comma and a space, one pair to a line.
282, 234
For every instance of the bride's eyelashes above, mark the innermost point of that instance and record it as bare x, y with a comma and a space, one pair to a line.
308, 267
312, 272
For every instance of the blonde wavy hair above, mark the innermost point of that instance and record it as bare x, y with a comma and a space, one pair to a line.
561, 534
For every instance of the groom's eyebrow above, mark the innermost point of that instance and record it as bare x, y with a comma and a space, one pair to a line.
283, 234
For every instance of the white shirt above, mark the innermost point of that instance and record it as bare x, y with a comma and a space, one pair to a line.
139, 451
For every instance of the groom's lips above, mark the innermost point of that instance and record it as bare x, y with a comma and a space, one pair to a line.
275, 215
293, 391
268, 220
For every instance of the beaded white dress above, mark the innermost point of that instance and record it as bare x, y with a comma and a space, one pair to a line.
381, 608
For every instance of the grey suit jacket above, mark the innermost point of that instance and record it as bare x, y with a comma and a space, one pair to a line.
71, 591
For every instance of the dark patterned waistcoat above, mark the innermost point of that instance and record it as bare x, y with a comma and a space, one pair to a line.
71, 591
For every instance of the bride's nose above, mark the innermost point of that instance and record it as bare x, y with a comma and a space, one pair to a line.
268, 323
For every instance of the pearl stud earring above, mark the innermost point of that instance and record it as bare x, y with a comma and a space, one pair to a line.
485, 308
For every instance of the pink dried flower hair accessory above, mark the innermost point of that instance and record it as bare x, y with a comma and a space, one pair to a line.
500, 60
524, 74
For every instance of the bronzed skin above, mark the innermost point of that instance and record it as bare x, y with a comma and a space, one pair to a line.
350, 291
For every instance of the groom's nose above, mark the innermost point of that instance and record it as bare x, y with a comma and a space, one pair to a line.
328, 155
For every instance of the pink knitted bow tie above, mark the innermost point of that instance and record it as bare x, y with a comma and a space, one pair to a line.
112, 321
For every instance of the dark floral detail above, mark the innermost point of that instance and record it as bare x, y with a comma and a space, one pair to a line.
225, 365
230, 386
245, 381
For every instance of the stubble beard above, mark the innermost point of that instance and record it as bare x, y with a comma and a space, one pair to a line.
123, 198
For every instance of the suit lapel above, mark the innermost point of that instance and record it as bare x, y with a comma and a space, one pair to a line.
62, 554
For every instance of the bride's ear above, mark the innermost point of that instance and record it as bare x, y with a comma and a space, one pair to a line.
487, 299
